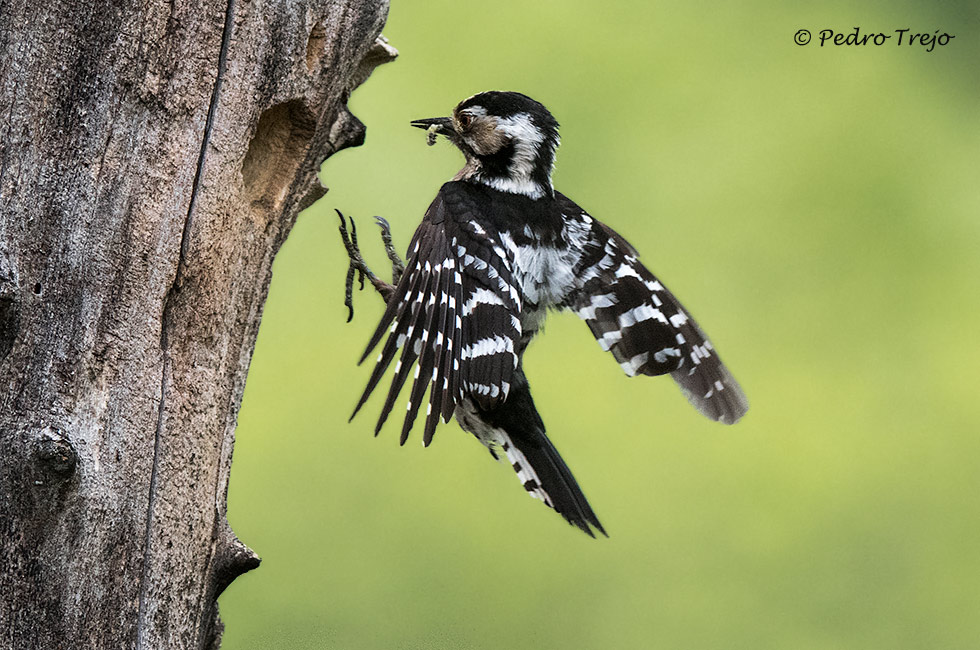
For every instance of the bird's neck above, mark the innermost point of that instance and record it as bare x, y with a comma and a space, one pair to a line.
522, 184
516, 168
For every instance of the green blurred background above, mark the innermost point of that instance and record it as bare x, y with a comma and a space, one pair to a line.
816, 208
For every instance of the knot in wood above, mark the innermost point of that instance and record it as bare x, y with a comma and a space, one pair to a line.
55, 453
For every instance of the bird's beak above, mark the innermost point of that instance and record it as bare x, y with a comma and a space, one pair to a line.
437, 125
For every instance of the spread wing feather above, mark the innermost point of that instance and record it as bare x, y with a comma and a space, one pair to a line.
453, 315
636, 318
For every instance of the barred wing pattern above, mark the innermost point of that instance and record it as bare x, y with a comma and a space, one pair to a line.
645, 327
454, 315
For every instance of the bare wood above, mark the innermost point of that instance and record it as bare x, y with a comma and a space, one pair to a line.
153, 158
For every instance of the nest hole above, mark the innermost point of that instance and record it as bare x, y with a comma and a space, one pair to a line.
276, 151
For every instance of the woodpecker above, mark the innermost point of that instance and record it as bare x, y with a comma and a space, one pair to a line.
498, 248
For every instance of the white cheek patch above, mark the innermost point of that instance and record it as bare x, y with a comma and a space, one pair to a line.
521, 127
527, 139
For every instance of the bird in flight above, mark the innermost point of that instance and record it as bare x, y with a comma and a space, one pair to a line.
498, 248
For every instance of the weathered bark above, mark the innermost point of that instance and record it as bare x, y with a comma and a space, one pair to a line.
153, 157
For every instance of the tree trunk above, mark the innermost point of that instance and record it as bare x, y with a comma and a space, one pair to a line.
153, 158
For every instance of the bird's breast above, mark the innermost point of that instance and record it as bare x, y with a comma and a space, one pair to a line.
544, 273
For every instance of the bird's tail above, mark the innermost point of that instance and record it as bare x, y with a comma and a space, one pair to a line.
517, 428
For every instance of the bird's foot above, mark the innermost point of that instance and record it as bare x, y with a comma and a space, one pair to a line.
397, 265
358, 267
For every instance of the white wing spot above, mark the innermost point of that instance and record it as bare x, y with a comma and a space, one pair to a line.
661, 356
609, 339
632, 366
481, 297
625, 270
488, 346
597, 302
640, 314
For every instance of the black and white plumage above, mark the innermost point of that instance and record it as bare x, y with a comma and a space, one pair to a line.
497, 248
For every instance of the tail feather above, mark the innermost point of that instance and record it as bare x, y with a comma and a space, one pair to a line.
545, 476
516, 427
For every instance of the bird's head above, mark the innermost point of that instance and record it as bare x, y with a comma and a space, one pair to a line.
509, 141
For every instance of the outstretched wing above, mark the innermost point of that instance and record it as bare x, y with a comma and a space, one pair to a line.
454, 316
646, 328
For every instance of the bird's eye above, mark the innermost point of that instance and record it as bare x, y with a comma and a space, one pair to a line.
465, 119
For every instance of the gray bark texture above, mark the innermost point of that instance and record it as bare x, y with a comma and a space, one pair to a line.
153, 158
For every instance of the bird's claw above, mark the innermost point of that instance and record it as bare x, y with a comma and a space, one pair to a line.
357, 264
397, 266
358, 267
